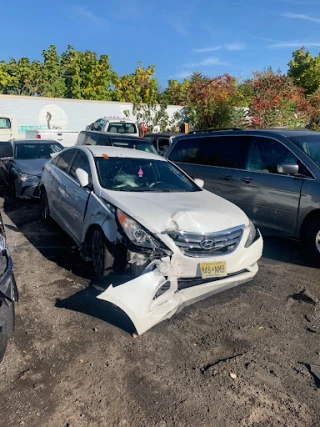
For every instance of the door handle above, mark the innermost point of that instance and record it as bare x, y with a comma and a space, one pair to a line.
226, 177
247, 180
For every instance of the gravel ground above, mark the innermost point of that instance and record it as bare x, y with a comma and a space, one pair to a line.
241, 358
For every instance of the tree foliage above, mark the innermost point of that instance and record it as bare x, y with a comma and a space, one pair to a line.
305, 70
276, 101
138, 87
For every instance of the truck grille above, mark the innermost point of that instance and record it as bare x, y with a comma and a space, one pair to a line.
204, 245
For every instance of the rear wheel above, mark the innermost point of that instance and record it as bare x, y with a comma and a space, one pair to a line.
311, 239
7, 324
43, 205
102, 259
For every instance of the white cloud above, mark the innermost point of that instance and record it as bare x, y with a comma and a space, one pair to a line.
296, 44
300, 16
184, 74
227, 46
85, 13
207, 62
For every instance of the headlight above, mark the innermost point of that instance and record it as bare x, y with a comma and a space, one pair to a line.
252, 234
27, 177
138, 234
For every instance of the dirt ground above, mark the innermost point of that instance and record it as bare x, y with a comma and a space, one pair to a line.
241, 358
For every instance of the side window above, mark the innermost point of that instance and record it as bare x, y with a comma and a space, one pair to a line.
226, 151
163, 144
103, 140
266, 153
93, 139
99, 124
55, 160
187, 151
81, 138
65, 160
81, 161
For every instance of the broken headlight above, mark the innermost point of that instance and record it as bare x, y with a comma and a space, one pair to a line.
252, 234
138, 234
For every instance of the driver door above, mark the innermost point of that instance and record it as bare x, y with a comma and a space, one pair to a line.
269, 198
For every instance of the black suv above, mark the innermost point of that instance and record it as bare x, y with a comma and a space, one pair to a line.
272, 175
88, 137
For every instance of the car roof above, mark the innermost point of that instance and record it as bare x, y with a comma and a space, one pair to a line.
164, 134
37, 141
117, 135
283, 132
99, 151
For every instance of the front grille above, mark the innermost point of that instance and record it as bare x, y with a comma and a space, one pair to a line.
210, 244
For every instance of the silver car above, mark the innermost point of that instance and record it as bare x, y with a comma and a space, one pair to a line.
21, 164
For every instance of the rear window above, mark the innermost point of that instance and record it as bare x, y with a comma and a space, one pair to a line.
36, 150
122, 128
136, 144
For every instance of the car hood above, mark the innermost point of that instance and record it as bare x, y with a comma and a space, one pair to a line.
32, 166
200, 212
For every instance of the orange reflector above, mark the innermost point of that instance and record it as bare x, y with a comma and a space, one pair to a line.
121, 216
105, 156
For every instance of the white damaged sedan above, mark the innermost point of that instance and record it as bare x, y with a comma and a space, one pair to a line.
129, 209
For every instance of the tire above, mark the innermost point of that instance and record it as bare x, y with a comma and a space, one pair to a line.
311, 239
7, 318
101, 258
44, 205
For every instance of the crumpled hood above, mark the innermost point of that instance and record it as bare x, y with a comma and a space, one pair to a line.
32, 166
201, 212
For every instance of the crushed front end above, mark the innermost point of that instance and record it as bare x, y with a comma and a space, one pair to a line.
179, 268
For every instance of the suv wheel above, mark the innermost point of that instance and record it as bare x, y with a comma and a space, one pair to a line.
312, 239
102, 259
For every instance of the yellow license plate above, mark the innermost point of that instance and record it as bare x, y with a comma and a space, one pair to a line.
213, 269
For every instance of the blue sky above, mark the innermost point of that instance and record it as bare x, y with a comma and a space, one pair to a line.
177, 36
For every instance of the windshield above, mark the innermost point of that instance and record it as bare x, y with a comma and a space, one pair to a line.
136, 144
36, 150
5, 123
122, 128
139, 175
310, 144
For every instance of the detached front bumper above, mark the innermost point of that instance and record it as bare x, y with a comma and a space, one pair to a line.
169, 285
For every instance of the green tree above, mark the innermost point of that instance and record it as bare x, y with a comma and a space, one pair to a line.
305, 70
86, 75
52, 82
138, 87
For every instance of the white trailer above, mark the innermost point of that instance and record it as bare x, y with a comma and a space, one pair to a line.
32, 113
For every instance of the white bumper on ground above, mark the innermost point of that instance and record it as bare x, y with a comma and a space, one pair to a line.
156, 295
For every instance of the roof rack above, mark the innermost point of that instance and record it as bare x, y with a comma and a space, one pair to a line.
213, 130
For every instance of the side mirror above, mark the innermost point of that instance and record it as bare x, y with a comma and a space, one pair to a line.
199, 182
83, 177
91, 126
288, 168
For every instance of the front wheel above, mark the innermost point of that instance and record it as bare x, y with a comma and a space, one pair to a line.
312, 239
44, 206
102, 259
